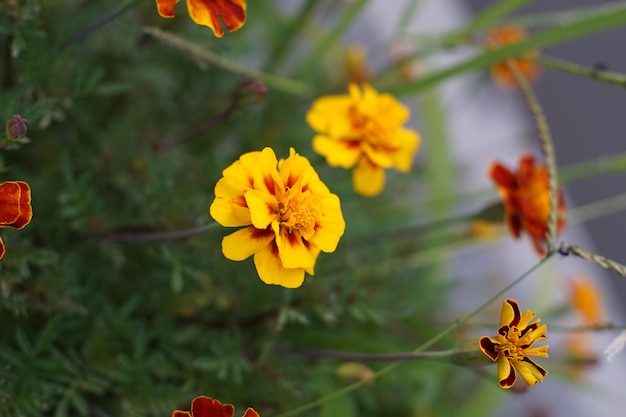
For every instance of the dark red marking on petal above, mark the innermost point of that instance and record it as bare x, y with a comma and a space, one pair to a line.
509, 380
517, 315
488, 348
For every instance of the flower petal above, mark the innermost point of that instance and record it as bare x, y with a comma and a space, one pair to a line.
179, 413
26, 210
488, 347
209, 13
166, 7
368, 179
271, 271
510, 315
338, 153
506, 373
207, 407
246, 242
329, 230
292, 251
10, 201
263, 208
250, 413
530, 372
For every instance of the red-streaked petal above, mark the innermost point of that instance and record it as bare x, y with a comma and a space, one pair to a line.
166, 7
246, 242
502, 176
263, 208
292, 251
179, 413
26, 210
250, 413
530, 372
206, 407
488, 347
10, 202
506, 373
511, 314
211, 13
271, 271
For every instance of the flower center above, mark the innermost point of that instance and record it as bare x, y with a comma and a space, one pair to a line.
512, 345
298, 211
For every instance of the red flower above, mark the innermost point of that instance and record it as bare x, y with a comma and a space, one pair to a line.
210, 13
206, 407
15, 208
526, 195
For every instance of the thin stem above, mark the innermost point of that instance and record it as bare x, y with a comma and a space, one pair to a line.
595, 73
279, 83
548, 150
608, 264
156, 236
372, 357
424, 346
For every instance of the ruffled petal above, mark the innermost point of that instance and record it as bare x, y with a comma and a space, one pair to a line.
211, 13
207, 407
409, 142
338, 153
166, 7
250, 413
331, 226
368, 179
271, 271
263, 208
246, 242
510, 315
530, 372
488, 347
10, 203
506, 373
26, 210
293, 252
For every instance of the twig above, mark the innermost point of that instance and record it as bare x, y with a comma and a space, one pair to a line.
567, 249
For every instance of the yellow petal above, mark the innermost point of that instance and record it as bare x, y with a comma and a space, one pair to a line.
166, 7
368, 179
338, 153
211, 13
263, 207
266, 177
378, 155
506, 373
271, 270
243, 243
510, 315
330, 228
293, 252
541, 351
409, 142
530, 372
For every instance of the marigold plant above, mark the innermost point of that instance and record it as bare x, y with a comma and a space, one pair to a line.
363, 129
513, 344
203, 406
290, 215
210, 13
525, 65
526, 197
15, 208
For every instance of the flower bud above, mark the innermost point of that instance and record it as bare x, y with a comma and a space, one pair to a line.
469, 354
17, 127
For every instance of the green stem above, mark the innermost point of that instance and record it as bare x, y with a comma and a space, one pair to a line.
565, 17
608, 264
279, 83
600, 208
599, 74
548, 150
600, 165
373, 357
348, 389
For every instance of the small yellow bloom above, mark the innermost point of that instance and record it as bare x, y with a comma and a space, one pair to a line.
210, 13
586, 300
513, 345
363, 129
289, 214
526, 65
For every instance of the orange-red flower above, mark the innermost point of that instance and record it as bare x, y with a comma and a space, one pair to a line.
15, 209
210, 13
501, 70
526, 195
207, 407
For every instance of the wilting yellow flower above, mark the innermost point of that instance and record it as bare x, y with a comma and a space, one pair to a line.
513, 345
526, 196
525, 64
15, 208
210, 13
586, 300
290, 215
207, 407
363, 129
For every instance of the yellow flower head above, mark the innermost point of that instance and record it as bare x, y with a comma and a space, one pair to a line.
210, 13
526, 65
363, 129
513, 345
290, 215
586, 300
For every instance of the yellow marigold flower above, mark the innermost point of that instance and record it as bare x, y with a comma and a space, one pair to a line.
526, 195
210, 13
586, 300
15, 208
513, 345
501, 70
207, 407
363, 129
290, 215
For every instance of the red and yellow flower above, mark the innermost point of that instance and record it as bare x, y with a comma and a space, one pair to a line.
525, 65
207, 407
363, 129
526, 196
289, 214
210, 13
15, 208
513, 344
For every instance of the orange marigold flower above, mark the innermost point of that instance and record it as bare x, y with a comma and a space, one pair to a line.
586, 300
290, 215
363, 129
210, 13
526, 195
513, 345
501, 70
15, 208
207, 407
